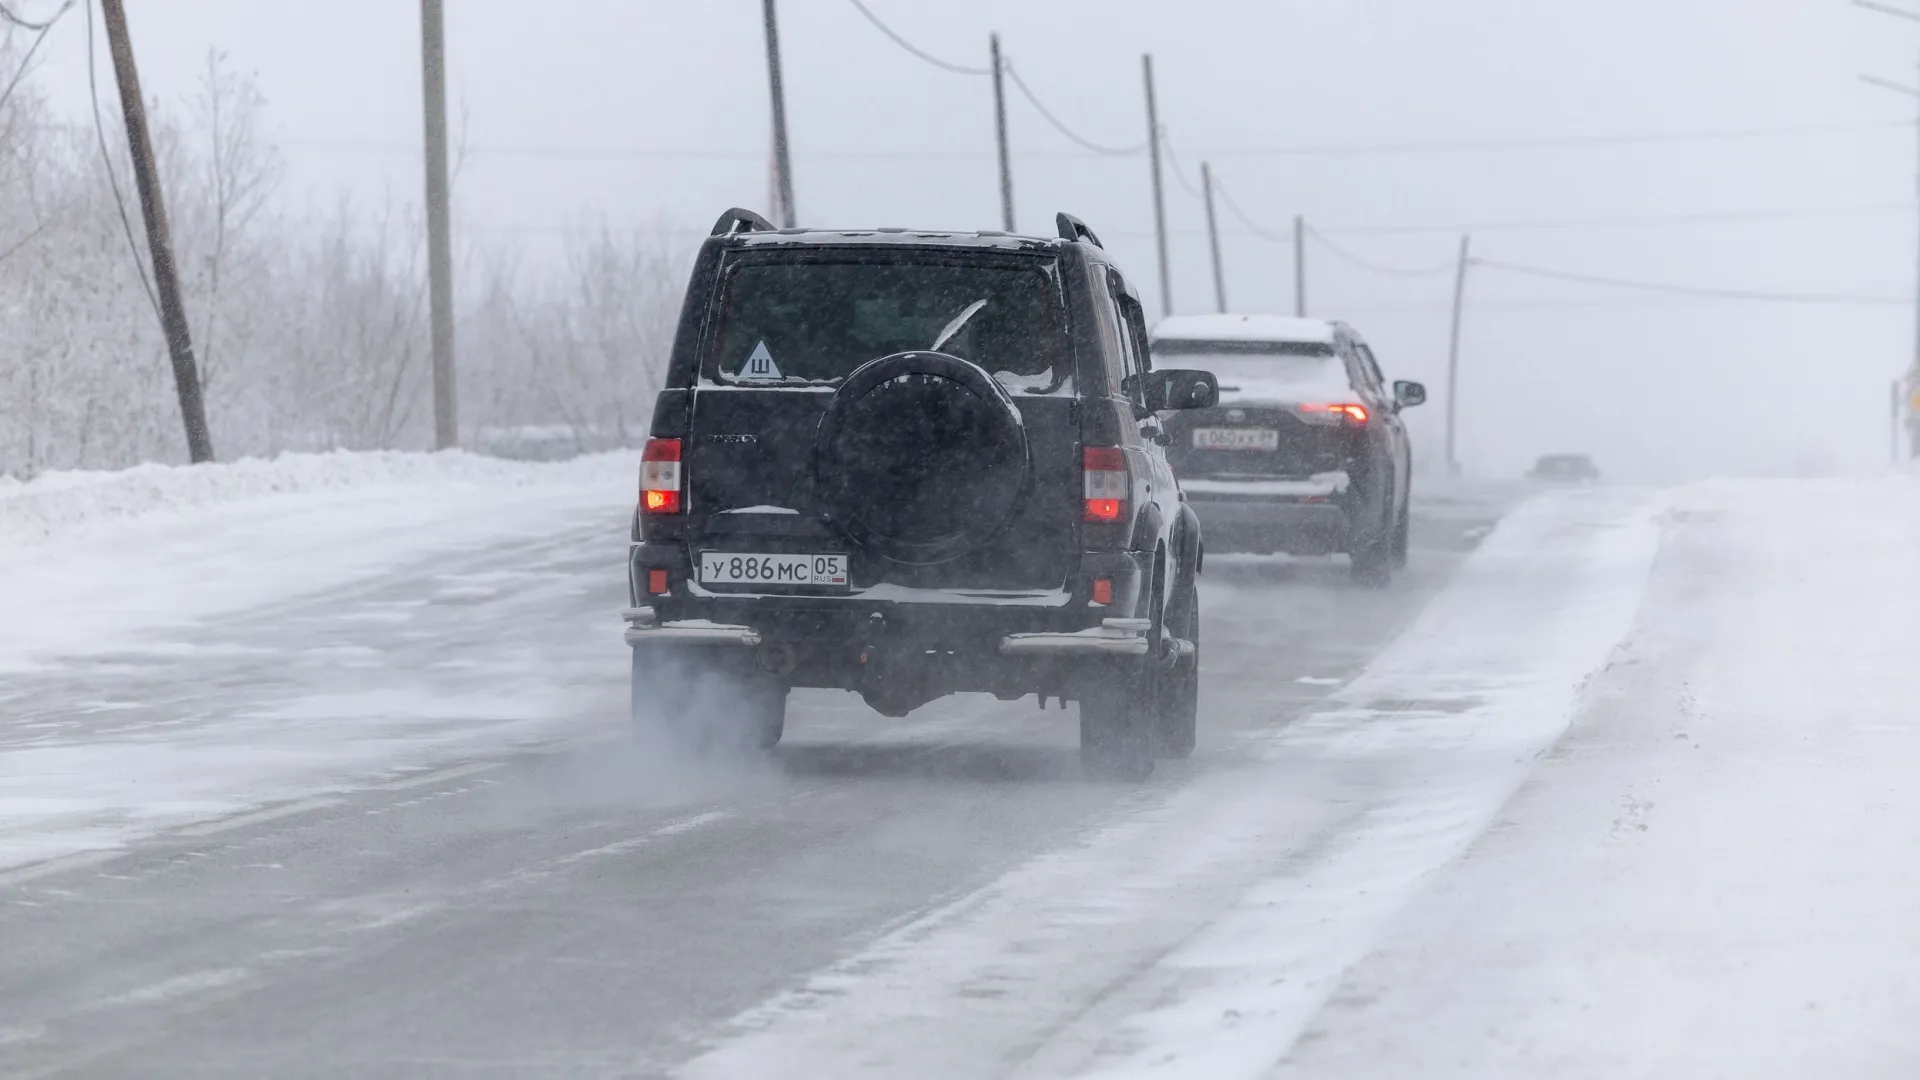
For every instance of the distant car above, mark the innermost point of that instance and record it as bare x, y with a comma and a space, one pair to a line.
1565, 469
1305, 453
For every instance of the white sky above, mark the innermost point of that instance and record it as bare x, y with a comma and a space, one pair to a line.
654, 113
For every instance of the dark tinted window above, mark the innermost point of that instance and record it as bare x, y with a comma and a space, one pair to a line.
819, 321
1180, 347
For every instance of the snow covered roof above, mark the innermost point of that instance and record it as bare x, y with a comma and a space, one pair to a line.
1244, 328
891, 238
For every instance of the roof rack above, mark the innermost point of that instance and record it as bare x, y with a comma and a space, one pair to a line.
738, 220
1072, 228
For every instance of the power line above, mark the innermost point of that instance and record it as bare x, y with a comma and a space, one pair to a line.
1643, 220
40, 35
958, 69
1380, 268
1689, 290
9, 15
1567, 142
113, 182
1252, 226
1047, 114
1179, 173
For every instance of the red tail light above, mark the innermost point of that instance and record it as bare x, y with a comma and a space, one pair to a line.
1103, 591
660, 477
1345, 412
657, 582
1107, 483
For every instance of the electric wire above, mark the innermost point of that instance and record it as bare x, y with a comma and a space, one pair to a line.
1380, 268
9, 15
1688, 290
1179, 172
106, 159
40, 35
1246, 220
958, 69
1561, 142
1047, 114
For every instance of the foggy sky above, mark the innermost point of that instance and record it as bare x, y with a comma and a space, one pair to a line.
555, 98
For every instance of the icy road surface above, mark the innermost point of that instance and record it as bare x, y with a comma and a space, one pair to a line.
388, 824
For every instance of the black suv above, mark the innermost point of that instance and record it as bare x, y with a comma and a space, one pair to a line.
911, 464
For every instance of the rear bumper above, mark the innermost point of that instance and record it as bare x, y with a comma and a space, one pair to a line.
1255, 523
927, 641
1113, 637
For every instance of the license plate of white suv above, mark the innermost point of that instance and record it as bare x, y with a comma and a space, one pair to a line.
1215, 438
742, 568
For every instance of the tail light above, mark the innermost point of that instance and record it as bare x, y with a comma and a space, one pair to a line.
1352, 414
1107, 483
1103, 591
660, 477
657, 584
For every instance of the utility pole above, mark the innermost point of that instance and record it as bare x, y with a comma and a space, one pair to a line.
782, 157
1000, 134
1453, 353
166, 281
1213, 240
1913, 371
1300, 266
1159, 195
433, 83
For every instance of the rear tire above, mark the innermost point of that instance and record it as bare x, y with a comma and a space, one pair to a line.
1401, 534
1373, 562
1176, 727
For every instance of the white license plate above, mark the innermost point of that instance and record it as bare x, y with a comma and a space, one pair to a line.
1220, 438
741, 568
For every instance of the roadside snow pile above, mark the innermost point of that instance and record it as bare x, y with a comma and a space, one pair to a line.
92, 562
48, 506
1714, 873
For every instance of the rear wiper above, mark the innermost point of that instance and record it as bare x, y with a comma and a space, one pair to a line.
959, 321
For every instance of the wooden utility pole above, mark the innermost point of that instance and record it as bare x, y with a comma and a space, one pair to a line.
1453, 352
433, 69
166, 281
1213, 241
782, 157
1300, 265
1159, 195
1000, 133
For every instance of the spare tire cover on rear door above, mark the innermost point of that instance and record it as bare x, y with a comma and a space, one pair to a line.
920, 457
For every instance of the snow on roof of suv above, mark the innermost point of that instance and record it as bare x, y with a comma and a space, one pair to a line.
1244, 328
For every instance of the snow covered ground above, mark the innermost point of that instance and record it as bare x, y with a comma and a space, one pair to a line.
1631, 797
122, 594
93, 562
1715, 874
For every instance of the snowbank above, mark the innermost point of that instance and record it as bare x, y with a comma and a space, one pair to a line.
53, 504
1715, 873
92, 561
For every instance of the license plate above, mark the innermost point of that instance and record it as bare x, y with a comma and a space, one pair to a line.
1216, 438
741, 568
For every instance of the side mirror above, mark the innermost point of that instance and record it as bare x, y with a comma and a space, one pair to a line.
1179, 388
1407, 393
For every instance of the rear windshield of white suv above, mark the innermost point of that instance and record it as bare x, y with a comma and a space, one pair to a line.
1303, 368
812, 323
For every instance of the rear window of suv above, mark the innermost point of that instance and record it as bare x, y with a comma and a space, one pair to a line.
815, 322
1303, 366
